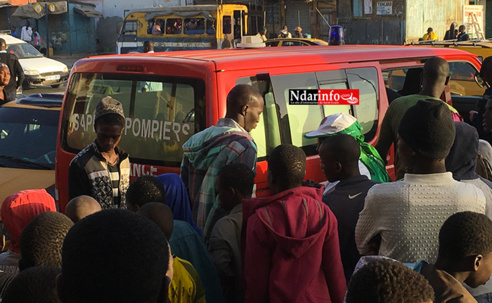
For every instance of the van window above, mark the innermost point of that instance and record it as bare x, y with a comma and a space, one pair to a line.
161, 113
285, 123
366, 81
297, 120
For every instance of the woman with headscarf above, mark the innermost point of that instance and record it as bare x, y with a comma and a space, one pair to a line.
177, 199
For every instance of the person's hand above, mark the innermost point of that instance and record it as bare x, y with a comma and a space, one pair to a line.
472, 114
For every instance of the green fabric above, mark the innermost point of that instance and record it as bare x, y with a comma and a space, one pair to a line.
369, 156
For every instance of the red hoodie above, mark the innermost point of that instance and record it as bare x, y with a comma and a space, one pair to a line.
291, 251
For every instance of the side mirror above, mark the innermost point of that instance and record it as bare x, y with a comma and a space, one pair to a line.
480, 81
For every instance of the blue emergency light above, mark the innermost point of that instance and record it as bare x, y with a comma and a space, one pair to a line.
336, 35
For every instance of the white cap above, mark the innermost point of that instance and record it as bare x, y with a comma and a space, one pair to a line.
332, 124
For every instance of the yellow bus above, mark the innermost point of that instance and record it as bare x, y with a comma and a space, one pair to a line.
184, 28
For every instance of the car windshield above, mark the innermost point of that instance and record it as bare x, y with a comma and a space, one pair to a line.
24, 50
28, 138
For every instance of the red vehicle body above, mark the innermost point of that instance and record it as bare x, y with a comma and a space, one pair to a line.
195, 84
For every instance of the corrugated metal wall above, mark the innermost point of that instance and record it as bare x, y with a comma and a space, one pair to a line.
297, 14
438, 14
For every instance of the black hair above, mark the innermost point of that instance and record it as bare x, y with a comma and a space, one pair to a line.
462, 27
114, 256
42, 239
238, 176
33, 285
486, 66
465, 234
2, 41
343, 148
387, 280
110, 119
146, 189
288, 163
241, 95
160, 214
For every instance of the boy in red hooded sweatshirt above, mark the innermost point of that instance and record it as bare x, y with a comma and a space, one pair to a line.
292, 252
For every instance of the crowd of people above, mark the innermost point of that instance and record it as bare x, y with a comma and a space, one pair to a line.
203, 236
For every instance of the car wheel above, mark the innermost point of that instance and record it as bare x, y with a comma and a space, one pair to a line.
56, 85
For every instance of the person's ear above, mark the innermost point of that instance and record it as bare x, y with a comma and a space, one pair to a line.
477, 262
244, 110
338, 166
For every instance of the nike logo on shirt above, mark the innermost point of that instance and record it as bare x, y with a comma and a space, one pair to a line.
354, 196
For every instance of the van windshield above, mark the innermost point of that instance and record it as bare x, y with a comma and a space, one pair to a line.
161, 113
24, 51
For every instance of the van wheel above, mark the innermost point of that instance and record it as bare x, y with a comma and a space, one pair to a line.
56, 85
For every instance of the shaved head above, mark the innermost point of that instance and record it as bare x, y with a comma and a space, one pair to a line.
240, 96
80, 207
436, 70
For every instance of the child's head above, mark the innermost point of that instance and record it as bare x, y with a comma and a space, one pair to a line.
233, 184
386, 280
339, 156
160, 214
286, 168
145, 189
426, 132
80, 207
114, 256
35, 284
42, 239
465, 242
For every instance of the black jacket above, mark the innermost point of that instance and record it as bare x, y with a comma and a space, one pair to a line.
16, 73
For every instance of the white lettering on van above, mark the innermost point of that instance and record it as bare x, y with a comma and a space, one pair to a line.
141, 169
82, 121
144, 128
166, 130
75, 122
135, 123
128, 124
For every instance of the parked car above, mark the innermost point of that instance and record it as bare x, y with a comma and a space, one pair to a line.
38, 70
28, 129
294, 42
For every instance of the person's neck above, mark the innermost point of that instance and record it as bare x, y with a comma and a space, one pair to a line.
431, 91
281, 188
238, 118
110, 156
451, 268
428, 167
346, 174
